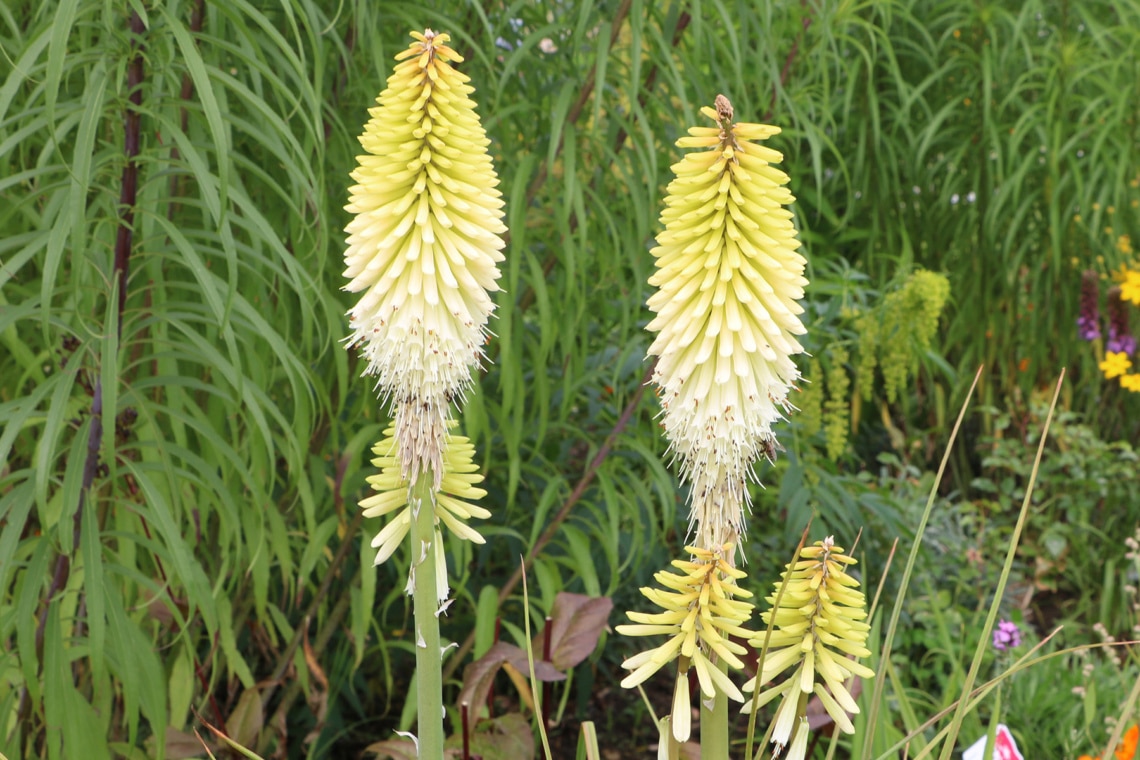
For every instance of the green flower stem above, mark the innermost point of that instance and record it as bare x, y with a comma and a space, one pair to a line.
714, 723
429, 680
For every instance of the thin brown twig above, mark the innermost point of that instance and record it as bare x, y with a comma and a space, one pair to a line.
286, 657
551, 261
786, 70
121, 271
563, 512
332, 623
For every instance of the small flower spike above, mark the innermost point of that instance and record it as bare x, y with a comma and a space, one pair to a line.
423, 245
700, 613
1088, 321
818, 623
728, 281
1120, 338
453, 507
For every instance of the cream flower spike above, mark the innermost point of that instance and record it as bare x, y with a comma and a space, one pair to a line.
700, 613
728, 278
818, 623
453, 507
423, 245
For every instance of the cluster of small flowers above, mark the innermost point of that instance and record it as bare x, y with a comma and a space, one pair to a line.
1110, 651
1007, 636
1120, 344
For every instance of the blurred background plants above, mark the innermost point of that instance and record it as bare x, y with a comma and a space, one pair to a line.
210, 561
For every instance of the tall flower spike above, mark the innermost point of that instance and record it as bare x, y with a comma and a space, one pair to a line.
728, 278
1088, 320
453, 507
818, 623
1120, 338
700, 613
423, 245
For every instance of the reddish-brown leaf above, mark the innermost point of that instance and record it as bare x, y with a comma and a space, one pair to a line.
479, 675
577, 622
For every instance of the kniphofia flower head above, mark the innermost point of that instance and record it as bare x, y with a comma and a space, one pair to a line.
818, 622
458, 487
423, 244
728, 281
700, 611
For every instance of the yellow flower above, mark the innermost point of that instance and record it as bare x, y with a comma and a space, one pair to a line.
1115, 364
1130, 288
819, 621
423, 244
728, 280
699, 614
1130, 382
457, 488
1124, 244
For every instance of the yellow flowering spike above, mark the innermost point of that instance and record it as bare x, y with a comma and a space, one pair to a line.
728, 280
699, 615
423, 245
818, 624
452, 500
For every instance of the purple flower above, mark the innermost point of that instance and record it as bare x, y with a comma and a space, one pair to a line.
1120, 339
1088, 323
1006, 636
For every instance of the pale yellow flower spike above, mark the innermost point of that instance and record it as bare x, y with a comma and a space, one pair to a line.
699, 614
452, 500
818, 624
729, 278
423, 245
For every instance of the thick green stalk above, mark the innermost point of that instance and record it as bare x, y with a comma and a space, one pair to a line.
429, 681
714, 724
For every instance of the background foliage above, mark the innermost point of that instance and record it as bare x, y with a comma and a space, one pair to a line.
183, 440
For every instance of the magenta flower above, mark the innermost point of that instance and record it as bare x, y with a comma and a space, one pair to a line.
1006, 636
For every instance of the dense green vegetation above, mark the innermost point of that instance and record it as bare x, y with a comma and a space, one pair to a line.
184, 439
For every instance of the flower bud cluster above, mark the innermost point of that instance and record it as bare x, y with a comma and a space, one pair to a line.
819, 625
459, 478
700, 611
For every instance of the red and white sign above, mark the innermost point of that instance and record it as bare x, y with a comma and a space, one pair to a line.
1005, 748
